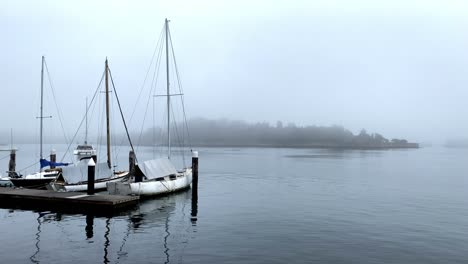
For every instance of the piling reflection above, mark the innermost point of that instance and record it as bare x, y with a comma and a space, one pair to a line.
89, 231
194, 211
89, 226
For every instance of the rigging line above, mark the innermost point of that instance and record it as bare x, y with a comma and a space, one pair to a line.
121, 113
146, 76
152, 86
102, 127
179, 141
83, 119
59, 113
101, 117
153, 130
35, 163
5, 157
165, 185
181, 91
116, 148
124, 241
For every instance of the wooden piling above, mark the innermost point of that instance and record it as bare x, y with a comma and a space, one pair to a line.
194, 212
195, 172
91, 171
12, 164
131, 162
53, 158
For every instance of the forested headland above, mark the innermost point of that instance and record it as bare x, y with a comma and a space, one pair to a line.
204, 132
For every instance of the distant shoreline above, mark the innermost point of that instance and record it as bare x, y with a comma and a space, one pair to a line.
308, 146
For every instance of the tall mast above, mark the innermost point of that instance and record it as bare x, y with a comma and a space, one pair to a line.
41, 117
86, 128
168, 95
107, 117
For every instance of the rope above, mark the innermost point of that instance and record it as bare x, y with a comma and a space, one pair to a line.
146, 76
35, 163
121, 113
179, 141
84, 117
5, 157
153, 85
59, 113
180, 90
165, 185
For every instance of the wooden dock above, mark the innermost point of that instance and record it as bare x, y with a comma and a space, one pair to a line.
68, 202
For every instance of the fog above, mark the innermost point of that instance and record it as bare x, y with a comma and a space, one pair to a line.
398, 68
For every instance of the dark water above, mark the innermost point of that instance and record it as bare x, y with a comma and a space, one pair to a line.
273, 206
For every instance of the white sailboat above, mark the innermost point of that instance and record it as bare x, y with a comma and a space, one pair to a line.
75, 178
40, 179
85, 151
156, 176
5, 180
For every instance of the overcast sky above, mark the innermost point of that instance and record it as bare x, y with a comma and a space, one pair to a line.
396, 67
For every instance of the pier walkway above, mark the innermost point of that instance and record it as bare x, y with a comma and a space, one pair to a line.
70, 202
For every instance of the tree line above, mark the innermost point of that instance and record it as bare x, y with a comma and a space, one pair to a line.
224, 132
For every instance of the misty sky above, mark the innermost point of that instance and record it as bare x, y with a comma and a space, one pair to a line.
397, 67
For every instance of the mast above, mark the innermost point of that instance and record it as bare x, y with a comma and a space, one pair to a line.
107, 116
86, 128
41, 117
168, 95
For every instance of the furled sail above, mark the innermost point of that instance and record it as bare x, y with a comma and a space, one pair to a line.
45, 163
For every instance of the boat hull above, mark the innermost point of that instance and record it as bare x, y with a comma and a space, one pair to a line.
5, 182
99, 185
152, 188
32, 183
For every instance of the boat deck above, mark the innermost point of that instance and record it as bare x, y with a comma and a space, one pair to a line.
70, 202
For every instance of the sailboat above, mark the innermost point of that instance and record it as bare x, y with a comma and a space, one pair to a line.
85, 151
74, 178
40, 179
156, 176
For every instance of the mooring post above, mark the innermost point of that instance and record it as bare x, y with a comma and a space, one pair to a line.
195, 172
131, 163
138, 177
53, 158
91, 171
12, 164
194, 187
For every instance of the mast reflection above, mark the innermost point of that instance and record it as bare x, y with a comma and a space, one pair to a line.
42, 217
38, 240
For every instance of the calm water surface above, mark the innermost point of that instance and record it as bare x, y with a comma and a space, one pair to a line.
272, 206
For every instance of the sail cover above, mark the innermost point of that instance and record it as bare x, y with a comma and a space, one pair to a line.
79, 172
157, 168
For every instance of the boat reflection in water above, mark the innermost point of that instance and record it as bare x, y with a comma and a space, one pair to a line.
160, 217
164, 225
